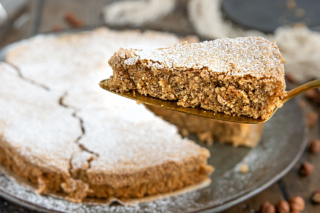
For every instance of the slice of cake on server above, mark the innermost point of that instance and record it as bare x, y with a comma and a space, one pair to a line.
241, 76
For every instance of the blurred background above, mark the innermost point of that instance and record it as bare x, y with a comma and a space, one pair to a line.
23, 18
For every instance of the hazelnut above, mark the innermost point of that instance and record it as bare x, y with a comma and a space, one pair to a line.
306, 169
314, 146
283, 207
267, 208
312, 118
316, 197
296, 203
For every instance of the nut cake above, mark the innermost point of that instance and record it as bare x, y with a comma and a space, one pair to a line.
241, 76
210, 130
60, 131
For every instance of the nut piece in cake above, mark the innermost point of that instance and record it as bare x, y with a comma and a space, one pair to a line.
241, 76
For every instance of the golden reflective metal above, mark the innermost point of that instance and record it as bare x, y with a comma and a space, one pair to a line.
172, 105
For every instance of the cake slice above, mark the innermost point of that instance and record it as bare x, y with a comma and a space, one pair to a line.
241, 76
59, 130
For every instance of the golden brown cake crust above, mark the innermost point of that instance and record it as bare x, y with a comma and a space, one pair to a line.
242, 76
83, 183
162, 178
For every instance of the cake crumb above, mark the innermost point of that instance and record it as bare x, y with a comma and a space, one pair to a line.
206, 137
139, 102
244, 168
184, 132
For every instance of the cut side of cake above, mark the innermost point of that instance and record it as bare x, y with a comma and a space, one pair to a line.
210, 130
60, 131
241, 76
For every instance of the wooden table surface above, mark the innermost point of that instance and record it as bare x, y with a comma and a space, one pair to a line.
45, 15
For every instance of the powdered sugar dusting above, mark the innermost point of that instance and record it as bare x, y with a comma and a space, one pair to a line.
84, 70
79, 59
254, 56
299, 45
266, 161
34, 124
124, 136
132, 144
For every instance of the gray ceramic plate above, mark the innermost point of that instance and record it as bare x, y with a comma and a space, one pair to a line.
283, 141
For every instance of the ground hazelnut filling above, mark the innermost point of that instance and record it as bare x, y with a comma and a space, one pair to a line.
242, 76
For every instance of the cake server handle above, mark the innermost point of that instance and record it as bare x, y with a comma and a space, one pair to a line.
301, 89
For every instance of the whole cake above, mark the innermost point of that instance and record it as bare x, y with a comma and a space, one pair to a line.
241, 76
59, 130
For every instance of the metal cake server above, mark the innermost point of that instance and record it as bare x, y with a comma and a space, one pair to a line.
172, 105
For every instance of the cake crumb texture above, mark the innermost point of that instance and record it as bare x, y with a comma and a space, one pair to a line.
241, 76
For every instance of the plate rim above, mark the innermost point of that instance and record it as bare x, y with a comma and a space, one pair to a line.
218, 208
276, 178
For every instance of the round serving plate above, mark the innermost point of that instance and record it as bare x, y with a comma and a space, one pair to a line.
283, 141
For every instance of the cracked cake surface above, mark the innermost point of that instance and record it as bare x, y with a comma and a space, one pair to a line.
241, 76
33, 141
63, 133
